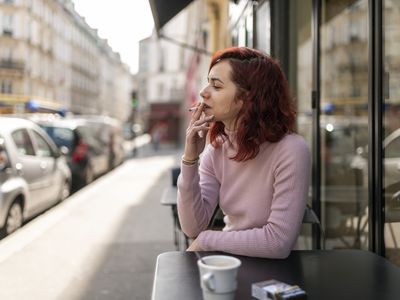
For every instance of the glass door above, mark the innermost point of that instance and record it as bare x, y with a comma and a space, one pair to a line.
343, 122
391, 128
300, 80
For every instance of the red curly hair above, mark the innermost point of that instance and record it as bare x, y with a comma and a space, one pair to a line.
268, 112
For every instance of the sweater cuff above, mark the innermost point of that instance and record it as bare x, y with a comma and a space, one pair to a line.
203, 240
188, 175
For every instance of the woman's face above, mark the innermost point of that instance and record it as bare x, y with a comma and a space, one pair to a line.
219, 95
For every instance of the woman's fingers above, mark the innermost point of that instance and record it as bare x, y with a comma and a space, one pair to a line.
204, 120
201, 123
197, 133
195, 129
197, 114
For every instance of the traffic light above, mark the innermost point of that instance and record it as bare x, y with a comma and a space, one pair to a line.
134, 101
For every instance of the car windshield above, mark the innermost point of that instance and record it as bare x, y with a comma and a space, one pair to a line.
61, 136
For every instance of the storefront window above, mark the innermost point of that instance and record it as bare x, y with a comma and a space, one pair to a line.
391, 132
344, 123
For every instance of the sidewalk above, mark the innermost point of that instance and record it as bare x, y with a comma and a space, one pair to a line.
141, 147
101, 243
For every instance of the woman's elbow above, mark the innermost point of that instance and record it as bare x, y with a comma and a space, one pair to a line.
283, 253
281, 250
190, 232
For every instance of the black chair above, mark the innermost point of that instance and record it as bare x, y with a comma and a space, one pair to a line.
310, 217
174, 175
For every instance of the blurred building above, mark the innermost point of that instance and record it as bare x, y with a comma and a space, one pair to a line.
173, 63
51, 59
342, 60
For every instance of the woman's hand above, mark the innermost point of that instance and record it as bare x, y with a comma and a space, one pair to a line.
196, 134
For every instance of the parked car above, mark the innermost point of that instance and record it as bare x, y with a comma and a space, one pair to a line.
391, 168
33, 173
90, 150
111, 135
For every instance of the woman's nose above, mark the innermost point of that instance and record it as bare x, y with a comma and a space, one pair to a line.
204, 93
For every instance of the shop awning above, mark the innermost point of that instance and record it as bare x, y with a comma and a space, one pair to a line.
163, 11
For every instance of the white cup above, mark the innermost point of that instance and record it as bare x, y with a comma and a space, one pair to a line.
218, 276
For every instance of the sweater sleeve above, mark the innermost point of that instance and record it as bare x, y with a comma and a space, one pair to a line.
279, 234
197, 199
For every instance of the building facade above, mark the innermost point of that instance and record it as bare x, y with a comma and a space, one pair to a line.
51, 58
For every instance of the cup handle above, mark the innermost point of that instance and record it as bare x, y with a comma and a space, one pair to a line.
208, 281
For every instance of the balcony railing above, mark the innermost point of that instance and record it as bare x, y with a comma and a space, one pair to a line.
12, 64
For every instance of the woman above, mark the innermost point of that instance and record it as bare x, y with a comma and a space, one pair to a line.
255, 167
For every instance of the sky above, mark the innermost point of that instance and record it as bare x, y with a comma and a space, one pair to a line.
122, 22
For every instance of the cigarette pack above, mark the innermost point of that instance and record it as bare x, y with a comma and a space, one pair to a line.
277, 290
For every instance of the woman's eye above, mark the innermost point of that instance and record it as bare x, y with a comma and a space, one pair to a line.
216, 87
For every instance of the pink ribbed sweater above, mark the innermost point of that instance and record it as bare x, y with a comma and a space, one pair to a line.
263, 199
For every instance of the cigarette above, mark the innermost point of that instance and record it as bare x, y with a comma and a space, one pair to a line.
194, 108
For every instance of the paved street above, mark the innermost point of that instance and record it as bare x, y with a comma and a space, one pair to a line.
101, 243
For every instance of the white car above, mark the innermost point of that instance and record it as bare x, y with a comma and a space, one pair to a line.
392, 158
33, 173
391, 169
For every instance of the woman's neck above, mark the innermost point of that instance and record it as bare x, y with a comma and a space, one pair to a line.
231, 125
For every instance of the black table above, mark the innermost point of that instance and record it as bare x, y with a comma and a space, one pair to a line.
331, 274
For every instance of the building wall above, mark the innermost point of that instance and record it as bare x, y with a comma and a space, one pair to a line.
50, 54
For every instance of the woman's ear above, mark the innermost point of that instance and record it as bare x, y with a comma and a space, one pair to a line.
240, 102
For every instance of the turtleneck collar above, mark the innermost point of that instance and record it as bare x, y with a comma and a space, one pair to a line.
231, 137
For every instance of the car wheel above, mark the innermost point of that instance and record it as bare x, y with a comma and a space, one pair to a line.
65, 190
14, 218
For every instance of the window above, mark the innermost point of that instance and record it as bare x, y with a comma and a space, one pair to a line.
43, 148
242, 34
391, 122
61, 136
235, 37
344, 97
6, 86
3, 154
249, 30
8, 24
23, 142
161, 63
6, 54
264, 27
